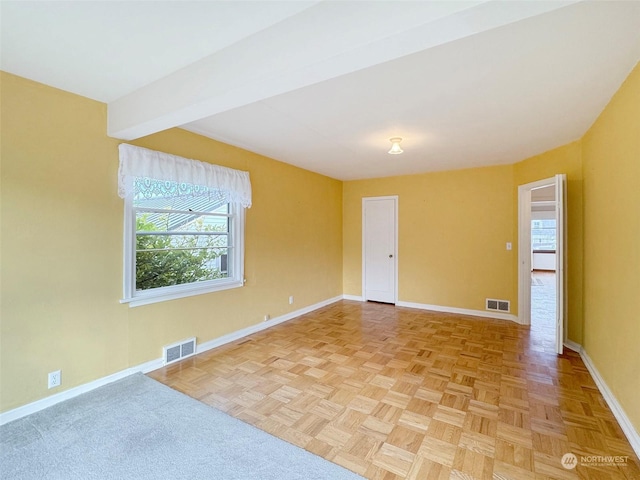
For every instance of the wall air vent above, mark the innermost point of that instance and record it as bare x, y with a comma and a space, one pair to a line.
178, 351
498, 305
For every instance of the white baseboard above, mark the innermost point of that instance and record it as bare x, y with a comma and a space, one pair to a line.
357, 298
38, 405
461, 311
614, 405
147, 367
616, 408
571, 345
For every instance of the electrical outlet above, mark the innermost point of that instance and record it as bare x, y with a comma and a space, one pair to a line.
291, 300
267, 317
55, 379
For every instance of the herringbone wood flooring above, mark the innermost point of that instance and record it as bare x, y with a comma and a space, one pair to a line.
394, 393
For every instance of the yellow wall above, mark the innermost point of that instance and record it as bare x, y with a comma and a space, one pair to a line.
611, 156
61, 223
61, 243
61, 250
453, 229
568, 160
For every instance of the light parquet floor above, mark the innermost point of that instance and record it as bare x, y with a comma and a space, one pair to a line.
395, 393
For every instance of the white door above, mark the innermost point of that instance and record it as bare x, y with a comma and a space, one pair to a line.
560, 259
379, 253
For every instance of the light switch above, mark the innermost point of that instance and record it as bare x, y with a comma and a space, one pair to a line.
508, 245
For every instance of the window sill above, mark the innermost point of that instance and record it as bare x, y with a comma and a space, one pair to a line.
173, 293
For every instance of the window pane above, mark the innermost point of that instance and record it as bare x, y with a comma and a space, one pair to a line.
543, 234
162, 268
169, 242
188, 246
179, 222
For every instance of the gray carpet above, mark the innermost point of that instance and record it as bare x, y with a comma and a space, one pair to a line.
137, 428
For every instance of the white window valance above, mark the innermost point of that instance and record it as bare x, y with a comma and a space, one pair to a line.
141, 168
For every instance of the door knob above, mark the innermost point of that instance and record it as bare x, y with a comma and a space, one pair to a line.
390, 256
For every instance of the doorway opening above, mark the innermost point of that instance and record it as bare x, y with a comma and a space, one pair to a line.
541, 260
543, 264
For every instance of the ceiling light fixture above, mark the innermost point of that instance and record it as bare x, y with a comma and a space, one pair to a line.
395, 146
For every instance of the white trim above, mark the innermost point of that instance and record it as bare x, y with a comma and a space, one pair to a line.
440, 308
129, 247
190, 290
461, 311
356, 298
161, 294
38, 405
561, 261
571, 345
614, 405
395, 253
625, 423
155, 364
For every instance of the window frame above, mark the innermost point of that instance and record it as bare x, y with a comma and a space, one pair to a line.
144, 297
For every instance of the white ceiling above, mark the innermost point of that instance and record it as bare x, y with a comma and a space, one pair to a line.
324, 85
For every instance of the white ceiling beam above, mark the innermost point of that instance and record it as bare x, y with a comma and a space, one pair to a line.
317, 44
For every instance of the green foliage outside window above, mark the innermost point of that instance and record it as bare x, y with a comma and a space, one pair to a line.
164, 260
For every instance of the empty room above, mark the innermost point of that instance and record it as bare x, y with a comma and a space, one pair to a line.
319, 240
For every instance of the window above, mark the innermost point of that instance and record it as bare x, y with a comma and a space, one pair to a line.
182, 239
543, 235
184, 231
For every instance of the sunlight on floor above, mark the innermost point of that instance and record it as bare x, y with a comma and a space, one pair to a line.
543, 309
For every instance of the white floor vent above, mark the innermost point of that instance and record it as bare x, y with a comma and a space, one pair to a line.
178, 351
498, 305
